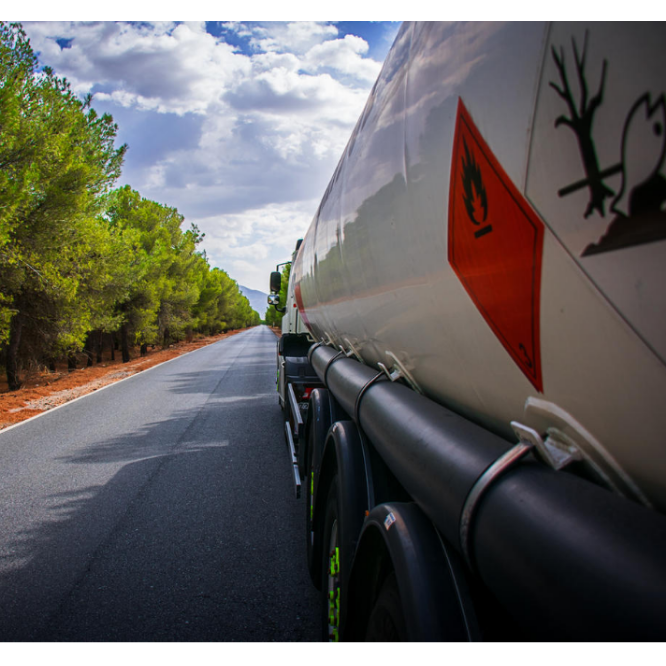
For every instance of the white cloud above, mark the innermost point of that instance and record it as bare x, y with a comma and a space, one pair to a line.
294, 37
345, 56
167, 67
250, 244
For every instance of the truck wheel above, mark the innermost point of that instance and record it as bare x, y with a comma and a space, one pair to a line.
331, 585
387, 622
309, 517
320, 417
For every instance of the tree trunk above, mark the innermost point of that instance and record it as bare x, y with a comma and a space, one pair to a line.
88, 349
71, 361
598, 191
12, 359
124, 343
100, 345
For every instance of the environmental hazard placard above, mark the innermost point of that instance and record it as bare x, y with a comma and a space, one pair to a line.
495, 246
596, 171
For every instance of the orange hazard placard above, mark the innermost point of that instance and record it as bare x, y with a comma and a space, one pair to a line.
495, 246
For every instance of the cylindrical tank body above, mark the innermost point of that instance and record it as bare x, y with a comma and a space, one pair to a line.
495, 224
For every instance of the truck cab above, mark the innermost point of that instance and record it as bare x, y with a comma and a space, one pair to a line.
296, 377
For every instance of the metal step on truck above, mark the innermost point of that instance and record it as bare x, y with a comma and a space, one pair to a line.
473, 356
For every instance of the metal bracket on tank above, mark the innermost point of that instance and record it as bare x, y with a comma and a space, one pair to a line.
557, 450
315, 346
398, 371
499, 467
565, 433
357, 404
352, 351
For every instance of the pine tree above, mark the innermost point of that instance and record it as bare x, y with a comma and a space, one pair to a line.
57, 160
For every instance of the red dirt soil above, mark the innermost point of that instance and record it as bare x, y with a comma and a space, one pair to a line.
43, 390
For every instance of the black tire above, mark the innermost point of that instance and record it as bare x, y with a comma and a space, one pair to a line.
318, 423
312, 556
331, 578
387, 622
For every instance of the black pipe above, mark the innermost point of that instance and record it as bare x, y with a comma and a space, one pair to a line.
568, 559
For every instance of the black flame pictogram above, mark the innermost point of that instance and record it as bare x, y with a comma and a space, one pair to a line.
474, 192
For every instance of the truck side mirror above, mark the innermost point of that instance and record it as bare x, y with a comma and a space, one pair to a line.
276, 281
274, 300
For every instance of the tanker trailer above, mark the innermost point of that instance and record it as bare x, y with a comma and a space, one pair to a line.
473, 358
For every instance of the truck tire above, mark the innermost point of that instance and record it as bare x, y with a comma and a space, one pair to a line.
431, 600
320, 417
387, 621
331, 577
312, 555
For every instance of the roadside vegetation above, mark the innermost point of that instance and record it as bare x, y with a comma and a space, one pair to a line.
86, 265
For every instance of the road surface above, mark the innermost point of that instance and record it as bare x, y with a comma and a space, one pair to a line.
158, 509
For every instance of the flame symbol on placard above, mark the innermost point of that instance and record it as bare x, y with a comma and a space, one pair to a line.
474, 193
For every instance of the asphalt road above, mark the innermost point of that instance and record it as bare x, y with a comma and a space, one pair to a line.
158, 509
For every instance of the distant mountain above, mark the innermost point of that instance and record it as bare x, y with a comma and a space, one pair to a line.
258, 299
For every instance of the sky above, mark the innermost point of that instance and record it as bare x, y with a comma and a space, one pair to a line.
237, 124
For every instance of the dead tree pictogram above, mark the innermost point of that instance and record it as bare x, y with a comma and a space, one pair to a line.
580, 122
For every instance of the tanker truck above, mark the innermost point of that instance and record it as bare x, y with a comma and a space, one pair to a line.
472, 361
